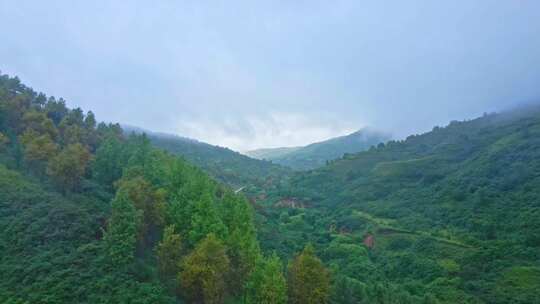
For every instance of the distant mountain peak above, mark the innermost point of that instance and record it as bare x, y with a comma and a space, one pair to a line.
317, 154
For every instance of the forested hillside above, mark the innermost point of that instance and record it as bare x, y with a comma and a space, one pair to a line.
88, 215
227, 166
453, 213
318, 154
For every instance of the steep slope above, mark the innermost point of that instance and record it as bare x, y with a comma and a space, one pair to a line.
454, 212
317, 154
229, 167
52, 252
88, 215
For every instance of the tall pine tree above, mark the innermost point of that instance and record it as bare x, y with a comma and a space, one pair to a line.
205, 220
121, 235
243, 248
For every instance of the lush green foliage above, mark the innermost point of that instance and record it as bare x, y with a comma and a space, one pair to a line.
204, 272
227, 166
121, 235
169, 254
90, 216
452, 214
267, 283
309, 281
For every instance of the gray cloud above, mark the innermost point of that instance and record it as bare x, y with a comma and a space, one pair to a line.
249, 74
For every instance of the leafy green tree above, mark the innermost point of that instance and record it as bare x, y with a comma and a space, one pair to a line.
243, 248
16, 106
267, 284
90, 121
38, 139
38, 149
169, 253
74, 117
205, 220
308, 279
146, 161
103, 130
204, 272
121, 235
40, 100
56, 110
69, 166
72, 134
150, 202
39, 123
348, 291
110, 159
179, 206
169, 258
91, 136
75, 129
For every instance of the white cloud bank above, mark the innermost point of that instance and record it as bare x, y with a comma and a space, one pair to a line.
265, 131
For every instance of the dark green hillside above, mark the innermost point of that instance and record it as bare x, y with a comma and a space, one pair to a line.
318, 154
88, 215
454, 213
227, 166
51, 249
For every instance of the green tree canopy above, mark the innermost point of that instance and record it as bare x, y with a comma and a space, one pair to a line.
308, 279
169, 255
69, 166
109, 161
150, 202
243, 248
121, 235
205, 220
204, 272
267, 284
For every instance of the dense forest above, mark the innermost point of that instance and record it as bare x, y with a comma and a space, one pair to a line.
91, 213
88, 215
452, 214
225, 165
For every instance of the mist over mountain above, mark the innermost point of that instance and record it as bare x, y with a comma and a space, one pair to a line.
318, 154
248, 75
271, 153
393, 152
113, 215
227, 166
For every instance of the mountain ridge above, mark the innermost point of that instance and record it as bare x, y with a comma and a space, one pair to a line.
226, 165
316, 154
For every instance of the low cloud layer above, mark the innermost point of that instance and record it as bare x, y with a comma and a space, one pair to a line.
271, 130
247, 74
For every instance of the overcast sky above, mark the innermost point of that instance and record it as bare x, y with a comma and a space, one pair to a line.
252, 74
